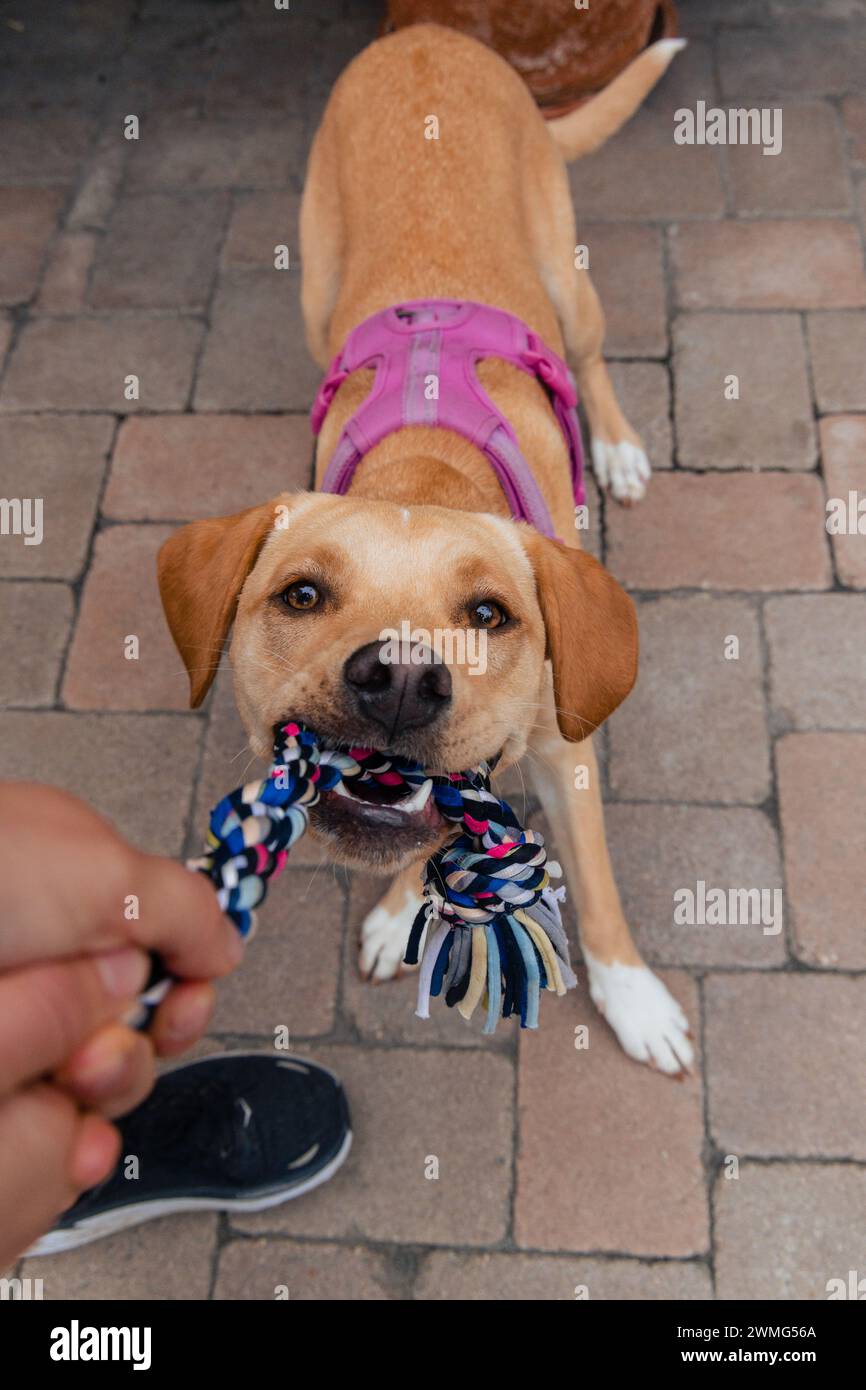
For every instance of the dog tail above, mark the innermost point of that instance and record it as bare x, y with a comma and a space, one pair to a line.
583, 130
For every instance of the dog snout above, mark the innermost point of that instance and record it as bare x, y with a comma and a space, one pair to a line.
407, 693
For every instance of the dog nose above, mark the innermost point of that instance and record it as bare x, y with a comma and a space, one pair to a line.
398, 695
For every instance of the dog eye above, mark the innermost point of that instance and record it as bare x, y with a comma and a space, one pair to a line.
488, 614
301, 595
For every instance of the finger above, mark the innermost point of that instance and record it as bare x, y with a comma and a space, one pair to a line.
47, 1011
182, 1017
93, 892
49, 1154
181, 919
112, 1072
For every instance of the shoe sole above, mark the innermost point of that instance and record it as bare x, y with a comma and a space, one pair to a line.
122, 1218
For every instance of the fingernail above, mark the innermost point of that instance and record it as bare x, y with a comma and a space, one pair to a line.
191, 1019
123, 972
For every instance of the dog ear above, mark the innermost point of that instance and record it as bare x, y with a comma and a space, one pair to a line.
592, 638
202, 569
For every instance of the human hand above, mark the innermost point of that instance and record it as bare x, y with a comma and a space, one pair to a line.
80, 910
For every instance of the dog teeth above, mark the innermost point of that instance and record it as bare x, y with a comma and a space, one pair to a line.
419, 798
408, 805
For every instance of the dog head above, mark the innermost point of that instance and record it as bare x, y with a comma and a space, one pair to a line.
419, 630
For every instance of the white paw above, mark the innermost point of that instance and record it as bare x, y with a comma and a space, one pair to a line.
623, 467
384, 935
647, 1020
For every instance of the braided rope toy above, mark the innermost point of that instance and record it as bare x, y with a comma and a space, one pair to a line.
492, 918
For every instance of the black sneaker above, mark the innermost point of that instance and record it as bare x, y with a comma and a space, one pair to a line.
239, 1131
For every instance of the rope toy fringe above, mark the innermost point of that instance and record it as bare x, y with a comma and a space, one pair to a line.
494, 934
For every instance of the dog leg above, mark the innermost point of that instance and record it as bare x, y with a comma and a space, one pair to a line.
647, 1020
385, 930
321, 237
618, 457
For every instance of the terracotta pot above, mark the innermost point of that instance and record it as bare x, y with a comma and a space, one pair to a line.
564, 54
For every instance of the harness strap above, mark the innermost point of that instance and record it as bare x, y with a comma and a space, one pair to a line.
425, 355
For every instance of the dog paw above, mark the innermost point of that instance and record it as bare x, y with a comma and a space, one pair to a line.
647, 1020
384, 934
623, 467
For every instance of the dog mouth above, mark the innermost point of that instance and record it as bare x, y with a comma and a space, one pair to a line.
374, 824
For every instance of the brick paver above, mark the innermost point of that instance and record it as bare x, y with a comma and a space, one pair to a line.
809, 264
709, 743
735, 424
562, 1173
184, 467
123, 656
822, 801
838, 348
843, 443
798, 1038
581, 1183
738, 531
784, 1230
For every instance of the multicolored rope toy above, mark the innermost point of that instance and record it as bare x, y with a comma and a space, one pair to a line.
492, 919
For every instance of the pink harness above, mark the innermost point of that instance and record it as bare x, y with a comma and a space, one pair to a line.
425, 353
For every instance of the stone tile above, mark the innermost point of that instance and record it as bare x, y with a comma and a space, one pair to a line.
694, 728
121, 600
626, 267
763, 265
183, 467
785, 1064
254, 1269
643, 391
783, 1230
770, 424
256, 358
837, 345
451, 1275
822, 806
641, 174
291, 970
43, 147
254, 59
160, 252
409, 1106
385, 1012
34, 626
734, 531
64, 283
579, 1183
854, 117
807, 175
81, 364
137, 769
228, 763
5, 336
95, 198
133, 1264
28, 217
259, 223
795, 60
63, 461
659, 850
843, 444
178, 152
818, 660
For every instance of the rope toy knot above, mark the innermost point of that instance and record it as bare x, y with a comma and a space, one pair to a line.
490, 922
